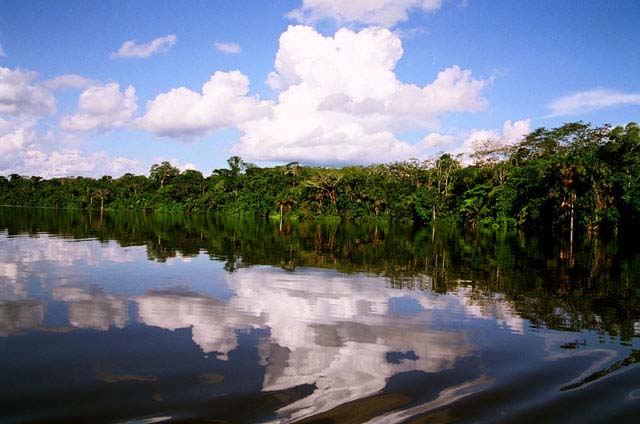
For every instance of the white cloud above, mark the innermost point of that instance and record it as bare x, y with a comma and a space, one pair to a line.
436, 141
340, 100
62, 82
185, 114
19, 96
23, 150
228, 48
512, 133
102, 108
377, 12
26, 150
2, 53
13, 138
409, 33
74, 162
176, 163
131, 49
463, 145
586, 101
481, 135
188, 167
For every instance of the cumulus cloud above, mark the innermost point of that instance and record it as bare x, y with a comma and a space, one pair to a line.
74, 162
26, 150
65, 81
102, 108
511, 134
20, 96
23, 150
131, 49
182, 166
188, 167
185, 114
586, 101
340, 100
481, 135
463, 145
377, 12
13, 138
228, 48
514, 132
437, 141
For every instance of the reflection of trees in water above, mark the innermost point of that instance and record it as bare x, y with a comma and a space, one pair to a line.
596, 286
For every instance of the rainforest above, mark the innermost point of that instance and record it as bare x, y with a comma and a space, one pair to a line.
574, 177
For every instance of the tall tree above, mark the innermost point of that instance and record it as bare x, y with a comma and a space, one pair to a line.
163, 172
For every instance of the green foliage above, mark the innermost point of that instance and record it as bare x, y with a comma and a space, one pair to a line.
571, 176
163, 173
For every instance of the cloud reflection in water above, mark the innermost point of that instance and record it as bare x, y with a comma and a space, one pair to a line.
326, 329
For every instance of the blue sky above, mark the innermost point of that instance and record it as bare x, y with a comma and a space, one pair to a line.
89, 88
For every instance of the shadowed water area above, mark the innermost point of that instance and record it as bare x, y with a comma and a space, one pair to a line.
159, 318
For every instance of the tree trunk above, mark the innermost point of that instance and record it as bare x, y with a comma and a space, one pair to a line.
571, 226
573, 201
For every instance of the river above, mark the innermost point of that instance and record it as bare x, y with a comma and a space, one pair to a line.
159, 318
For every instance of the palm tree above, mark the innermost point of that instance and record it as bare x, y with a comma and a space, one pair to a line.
101, 193
285, 203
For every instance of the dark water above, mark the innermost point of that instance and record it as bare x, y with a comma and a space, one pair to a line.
140, 319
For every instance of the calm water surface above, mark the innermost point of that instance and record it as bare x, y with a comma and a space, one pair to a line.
133, 318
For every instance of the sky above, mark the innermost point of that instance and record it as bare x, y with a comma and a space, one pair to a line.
95, 88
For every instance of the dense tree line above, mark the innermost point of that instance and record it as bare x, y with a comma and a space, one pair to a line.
572, 177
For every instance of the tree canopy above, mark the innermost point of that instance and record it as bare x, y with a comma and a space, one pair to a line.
575, 175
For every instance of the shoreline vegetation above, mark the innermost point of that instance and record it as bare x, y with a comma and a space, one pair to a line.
572, 178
